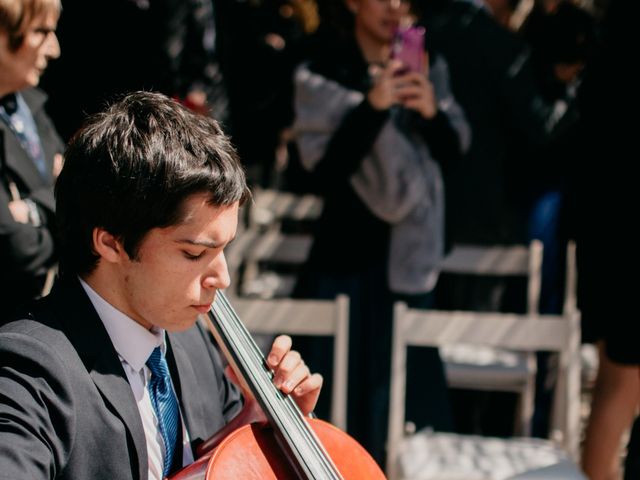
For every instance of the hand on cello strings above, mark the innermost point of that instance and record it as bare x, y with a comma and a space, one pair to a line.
291, 375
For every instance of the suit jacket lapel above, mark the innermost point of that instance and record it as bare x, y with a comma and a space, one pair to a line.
89, 337
111, 380
18, 161
36, 100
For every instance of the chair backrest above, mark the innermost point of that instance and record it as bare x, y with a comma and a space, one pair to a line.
500, 260
271, 207
274, 239
526, 333
306, 317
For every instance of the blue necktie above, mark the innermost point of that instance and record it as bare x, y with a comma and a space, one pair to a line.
165, 404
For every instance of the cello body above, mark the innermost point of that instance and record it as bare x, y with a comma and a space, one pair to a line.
270, 438
252, 453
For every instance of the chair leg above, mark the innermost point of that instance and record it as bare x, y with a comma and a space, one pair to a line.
526, 402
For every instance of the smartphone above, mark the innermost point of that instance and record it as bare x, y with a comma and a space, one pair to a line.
408, 47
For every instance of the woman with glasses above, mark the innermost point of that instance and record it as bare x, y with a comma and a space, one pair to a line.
30, 150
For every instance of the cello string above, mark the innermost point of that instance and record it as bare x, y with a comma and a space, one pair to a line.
260, 358
259, 361
292, 422
303, 427
266, 389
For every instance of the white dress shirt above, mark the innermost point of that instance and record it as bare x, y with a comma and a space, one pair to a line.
134, 345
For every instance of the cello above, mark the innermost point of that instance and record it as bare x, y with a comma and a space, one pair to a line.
270, 438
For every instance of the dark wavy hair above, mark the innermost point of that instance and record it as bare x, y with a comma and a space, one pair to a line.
130, 168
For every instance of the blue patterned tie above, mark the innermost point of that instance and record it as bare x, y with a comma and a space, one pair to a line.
165, 404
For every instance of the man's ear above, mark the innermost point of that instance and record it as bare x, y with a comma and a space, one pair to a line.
107, 246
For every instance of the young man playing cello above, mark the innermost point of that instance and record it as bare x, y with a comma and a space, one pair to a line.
110, 376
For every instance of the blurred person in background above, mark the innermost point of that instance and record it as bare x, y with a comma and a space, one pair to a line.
488, 192
605, 206
492, 77
375, 135
168, 46
259, 44
562, 38
30, 150
562, 42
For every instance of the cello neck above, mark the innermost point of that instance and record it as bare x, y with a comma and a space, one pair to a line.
300, 444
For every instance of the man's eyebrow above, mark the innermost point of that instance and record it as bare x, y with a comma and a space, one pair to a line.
202, 243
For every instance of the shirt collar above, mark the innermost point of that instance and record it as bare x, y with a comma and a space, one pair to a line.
132, 341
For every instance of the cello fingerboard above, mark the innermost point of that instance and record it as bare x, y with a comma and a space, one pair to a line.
300, 444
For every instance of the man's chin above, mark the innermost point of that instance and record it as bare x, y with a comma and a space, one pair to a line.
184, 325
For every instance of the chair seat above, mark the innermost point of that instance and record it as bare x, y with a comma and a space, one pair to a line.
277, 248
272, 206
486, 367
564, 470
270, 285
445, 456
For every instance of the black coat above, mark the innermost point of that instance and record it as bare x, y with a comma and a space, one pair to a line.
492, 79
26, 251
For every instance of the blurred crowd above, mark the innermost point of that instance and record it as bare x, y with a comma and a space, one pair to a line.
516, 128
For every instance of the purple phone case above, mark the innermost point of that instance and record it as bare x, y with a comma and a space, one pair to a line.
408, 46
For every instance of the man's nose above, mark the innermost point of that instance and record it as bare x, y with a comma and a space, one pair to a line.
218, 275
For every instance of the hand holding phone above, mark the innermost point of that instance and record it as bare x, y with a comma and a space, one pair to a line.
416, 92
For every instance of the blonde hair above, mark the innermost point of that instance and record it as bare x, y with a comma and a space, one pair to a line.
306, 11
17, 15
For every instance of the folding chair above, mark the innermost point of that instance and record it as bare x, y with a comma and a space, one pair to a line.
306, 317
477, 367
276, 207
268, 254
439, 456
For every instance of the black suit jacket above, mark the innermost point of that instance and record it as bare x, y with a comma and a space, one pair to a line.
66, 408
26, 251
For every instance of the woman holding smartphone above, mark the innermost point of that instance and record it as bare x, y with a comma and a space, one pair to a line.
374, 135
